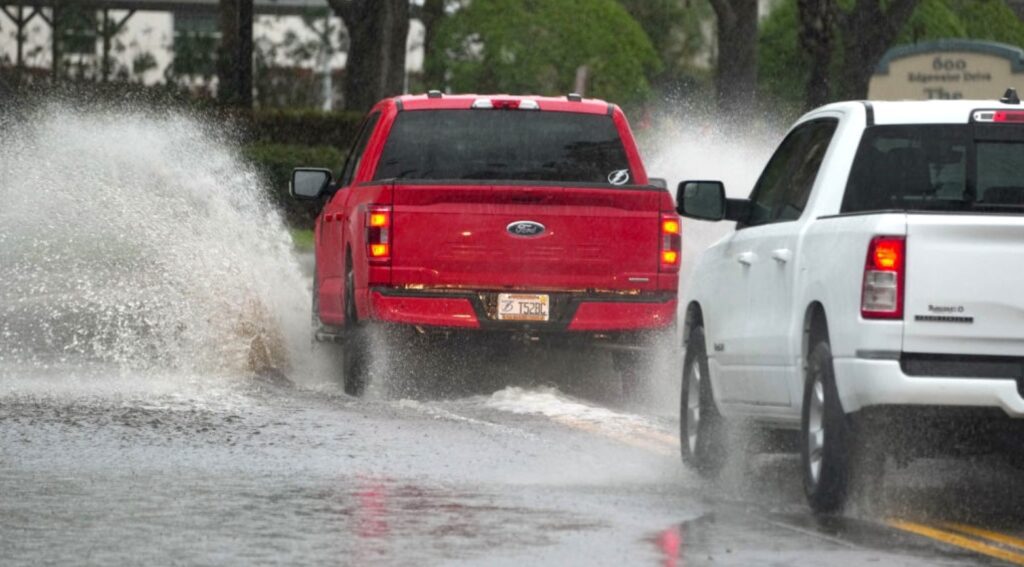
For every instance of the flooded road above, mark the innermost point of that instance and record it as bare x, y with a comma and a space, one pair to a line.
100, 467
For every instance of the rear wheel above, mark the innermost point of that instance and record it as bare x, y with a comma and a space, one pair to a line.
357, 362
356, 366
827, 435
701, 426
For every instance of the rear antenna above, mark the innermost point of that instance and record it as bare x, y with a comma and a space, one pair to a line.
1010, 97
434, 93
574, 97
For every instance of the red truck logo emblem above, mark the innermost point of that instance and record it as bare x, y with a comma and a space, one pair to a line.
525, 228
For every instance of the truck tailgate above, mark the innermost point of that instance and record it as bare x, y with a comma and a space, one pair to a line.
592, 238
965, 276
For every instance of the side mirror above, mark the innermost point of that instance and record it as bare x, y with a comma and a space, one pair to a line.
309, 184
658, 182
702, 200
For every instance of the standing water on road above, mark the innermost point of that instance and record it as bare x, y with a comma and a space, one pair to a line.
143, 241
144, 275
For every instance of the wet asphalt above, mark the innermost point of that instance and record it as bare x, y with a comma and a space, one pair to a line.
527, 457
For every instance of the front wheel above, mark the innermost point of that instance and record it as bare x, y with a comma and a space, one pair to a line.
826, 433
701, 426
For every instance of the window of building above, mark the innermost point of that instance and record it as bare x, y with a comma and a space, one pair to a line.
196, 37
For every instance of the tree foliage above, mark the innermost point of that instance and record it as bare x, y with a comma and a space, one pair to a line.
932, 19
783, 65
674, 28
989, 20
531, 46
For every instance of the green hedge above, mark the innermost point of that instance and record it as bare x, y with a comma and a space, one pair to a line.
256, 126
280, 140
276, 161
304, 127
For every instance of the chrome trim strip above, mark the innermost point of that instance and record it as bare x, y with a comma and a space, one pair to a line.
878, 354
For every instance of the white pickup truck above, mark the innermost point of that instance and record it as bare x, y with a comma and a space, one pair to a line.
872, 294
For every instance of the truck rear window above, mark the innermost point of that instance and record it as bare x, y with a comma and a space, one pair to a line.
504, 145
938, 167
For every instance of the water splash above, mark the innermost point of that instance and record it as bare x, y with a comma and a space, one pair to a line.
143, 241
701, 145
691, 143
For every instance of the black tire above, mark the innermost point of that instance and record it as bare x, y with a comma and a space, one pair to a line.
356, 366
826, 440
701, 427
356, 348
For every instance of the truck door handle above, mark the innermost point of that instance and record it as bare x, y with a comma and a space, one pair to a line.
746, 258
782, 255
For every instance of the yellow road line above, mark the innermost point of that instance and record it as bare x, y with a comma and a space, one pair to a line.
989, 535
665, 444
958, 541
589, 427
659, 436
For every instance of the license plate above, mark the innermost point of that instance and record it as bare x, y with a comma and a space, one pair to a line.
523, 306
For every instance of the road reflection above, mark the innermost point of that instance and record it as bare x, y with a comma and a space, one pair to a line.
393, 520
670, 544
371, 512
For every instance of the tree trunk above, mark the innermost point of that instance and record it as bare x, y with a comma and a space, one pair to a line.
20, 23
234, 65
105, 63
375, 68
868, 32
817, 33
736, 77
55, 33
431, 15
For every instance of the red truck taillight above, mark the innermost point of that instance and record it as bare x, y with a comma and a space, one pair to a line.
505, 104
378, 234
884, 278
671, 246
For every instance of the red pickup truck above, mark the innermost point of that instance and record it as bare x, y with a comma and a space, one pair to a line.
500, 215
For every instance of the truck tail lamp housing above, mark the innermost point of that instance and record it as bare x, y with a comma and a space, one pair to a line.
378, 234
999, 116
671, 243
884, 278
505, 104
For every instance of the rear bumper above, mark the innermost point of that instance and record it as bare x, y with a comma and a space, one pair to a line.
865, 383
570, 312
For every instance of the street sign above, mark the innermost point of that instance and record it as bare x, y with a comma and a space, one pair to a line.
948, 69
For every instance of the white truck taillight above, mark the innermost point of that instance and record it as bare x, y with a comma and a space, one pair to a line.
378, 234
884, 278
1009, 116
671, 243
